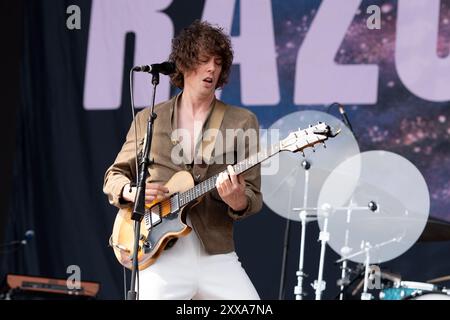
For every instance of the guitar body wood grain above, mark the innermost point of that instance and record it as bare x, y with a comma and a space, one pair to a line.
172, 226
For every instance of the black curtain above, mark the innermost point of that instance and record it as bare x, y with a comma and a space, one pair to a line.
11, 33
57, 173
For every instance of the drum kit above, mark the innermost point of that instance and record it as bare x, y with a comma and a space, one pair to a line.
370, 206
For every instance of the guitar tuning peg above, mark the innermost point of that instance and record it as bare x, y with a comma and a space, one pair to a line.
324, 145
303, 153
313, 149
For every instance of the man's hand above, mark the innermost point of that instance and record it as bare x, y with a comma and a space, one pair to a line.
231, 189
152, 190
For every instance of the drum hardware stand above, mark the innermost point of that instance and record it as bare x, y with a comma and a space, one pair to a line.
298, 290
345, 251
324, 237
366, 295
344, 281
366, 247
348, 281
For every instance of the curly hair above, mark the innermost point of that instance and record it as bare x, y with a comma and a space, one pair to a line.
200, 38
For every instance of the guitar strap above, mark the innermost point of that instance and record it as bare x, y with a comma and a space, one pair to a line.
210, 135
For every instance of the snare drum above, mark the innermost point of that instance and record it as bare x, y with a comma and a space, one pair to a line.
409, 290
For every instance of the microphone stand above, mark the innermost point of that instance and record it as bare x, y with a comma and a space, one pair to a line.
139, 203
344, 117
346, 121
12, 243
11, 246
16, 244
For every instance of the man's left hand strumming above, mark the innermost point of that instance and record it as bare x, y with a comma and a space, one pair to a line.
231, 189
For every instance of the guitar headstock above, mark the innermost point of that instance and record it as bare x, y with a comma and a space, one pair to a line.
304, 138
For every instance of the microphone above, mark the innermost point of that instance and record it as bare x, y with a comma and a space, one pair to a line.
344, 117
29, 234
164, 68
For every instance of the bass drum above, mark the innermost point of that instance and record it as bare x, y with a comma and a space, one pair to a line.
430, 296
409, 290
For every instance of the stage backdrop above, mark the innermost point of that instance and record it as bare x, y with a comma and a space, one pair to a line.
391, 73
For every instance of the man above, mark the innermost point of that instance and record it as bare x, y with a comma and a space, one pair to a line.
203, 264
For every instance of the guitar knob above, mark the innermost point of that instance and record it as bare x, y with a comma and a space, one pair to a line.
147, 246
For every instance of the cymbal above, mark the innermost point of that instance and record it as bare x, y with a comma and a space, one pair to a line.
435, 230
289, 180
386, 213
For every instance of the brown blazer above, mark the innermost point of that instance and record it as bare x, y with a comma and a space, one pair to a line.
212, 219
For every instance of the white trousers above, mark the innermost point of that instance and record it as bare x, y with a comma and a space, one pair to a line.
186, 271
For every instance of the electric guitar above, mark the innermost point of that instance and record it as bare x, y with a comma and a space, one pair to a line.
163, 220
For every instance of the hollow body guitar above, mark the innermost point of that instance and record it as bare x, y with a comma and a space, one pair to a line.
164, 220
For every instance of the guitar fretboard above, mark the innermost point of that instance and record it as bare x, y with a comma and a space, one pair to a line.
240, 167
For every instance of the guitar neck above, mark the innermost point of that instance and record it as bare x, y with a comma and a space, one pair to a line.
240, 167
